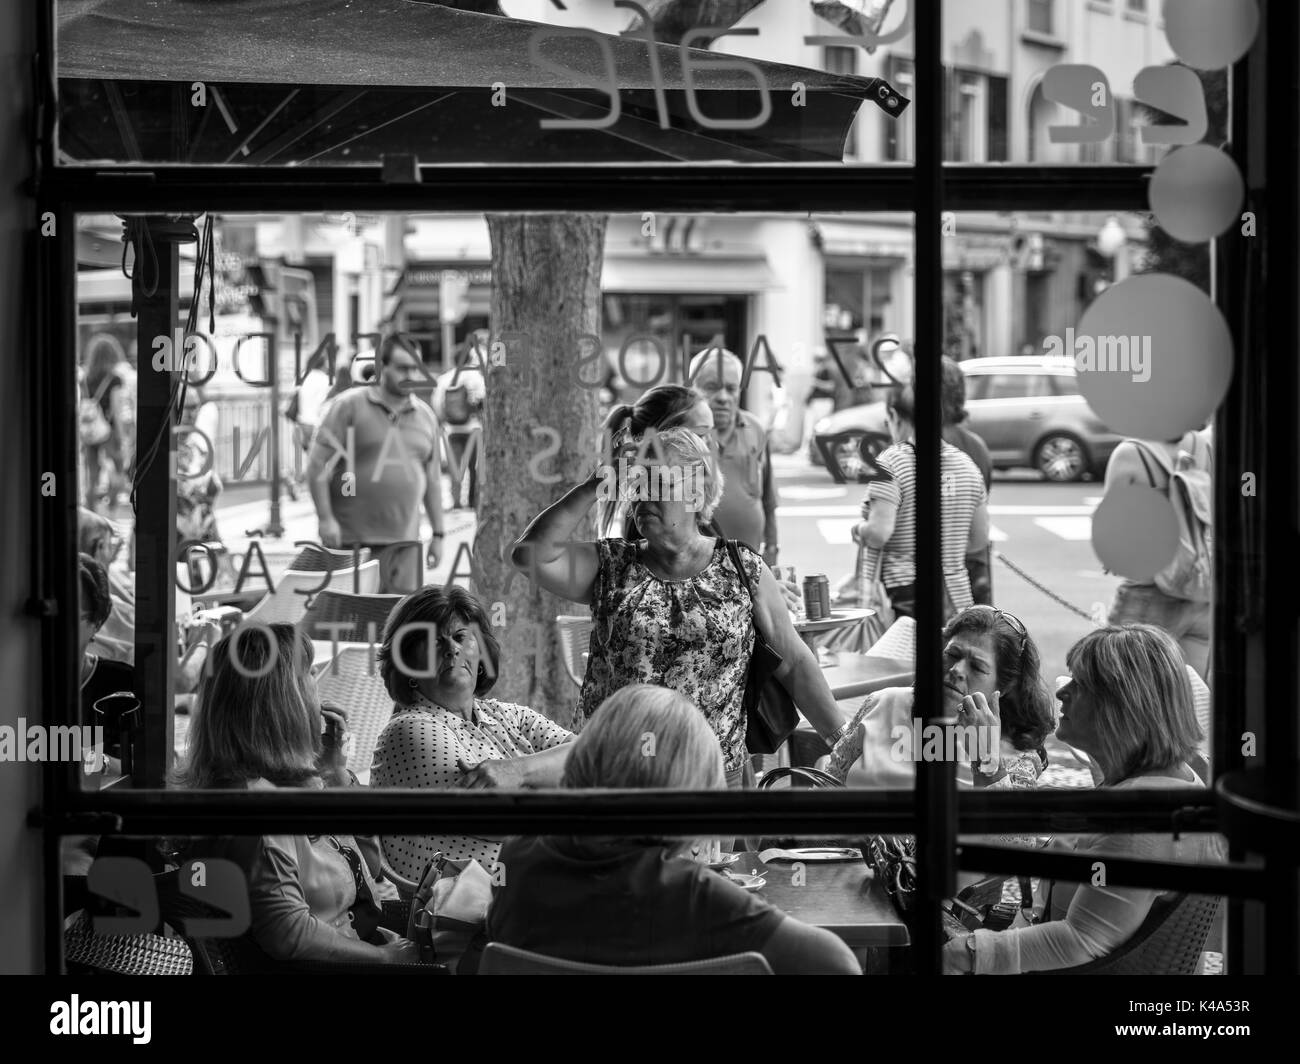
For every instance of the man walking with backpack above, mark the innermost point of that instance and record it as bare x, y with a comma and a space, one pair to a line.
1177, 598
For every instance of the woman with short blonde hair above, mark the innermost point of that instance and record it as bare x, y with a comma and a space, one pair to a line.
646, 736
622, 901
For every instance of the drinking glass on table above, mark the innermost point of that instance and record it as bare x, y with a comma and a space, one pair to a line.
787, 578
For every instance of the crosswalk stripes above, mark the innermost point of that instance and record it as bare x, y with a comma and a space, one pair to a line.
840, 529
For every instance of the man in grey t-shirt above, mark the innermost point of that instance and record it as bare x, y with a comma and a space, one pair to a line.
374, 459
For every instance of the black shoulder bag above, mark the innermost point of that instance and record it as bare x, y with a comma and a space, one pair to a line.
770, 713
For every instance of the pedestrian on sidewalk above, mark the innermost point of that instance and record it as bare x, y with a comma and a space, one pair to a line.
1176, 599
888, 529
747, 511
392, 437
953, 387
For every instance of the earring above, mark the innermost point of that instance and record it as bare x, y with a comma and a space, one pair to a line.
412, 682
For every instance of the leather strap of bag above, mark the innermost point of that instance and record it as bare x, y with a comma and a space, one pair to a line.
744, 579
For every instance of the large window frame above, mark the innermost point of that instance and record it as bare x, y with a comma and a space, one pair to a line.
934, 811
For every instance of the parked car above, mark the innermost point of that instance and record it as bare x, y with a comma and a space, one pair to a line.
1027, 409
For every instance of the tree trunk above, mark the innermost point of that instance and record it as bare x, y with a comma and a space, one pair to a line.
545, 286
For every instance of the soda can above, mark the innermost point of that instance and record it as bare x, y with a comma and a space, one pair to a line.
812, 599
824, 594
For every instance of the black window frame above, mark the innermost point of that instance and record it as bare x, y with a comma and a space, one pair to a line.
926, 188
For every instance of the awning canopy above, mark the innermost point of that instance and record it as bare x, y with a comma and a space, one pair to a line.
290, 82
686, 274
866, 239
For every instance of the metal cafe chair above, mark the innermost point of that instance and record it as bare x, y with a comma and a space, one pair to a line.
350, 683
287, 603
148, 954
500, 959
333, 605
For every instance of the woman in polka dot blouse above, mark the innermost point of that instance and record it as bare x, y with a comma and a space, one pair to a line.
445, 732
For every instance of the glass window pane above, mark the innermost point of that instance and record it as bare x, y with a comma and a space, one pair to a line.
247, 84
307, 307
1041, 280
1009, 46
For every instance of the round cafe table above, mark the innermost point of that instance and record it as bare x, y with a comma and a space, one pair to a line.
814, 633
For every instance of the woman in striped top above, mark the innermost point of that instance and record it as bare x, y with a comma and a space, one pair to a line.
889, 515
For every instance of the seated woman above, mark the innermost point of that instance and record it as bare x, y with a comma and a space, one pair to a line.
444, 731
672, 608
1129, 707
100, 676
642, 901
259, 732
991, 685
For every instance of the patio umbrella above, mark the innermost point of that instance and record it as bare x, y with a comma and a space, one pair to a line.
293, 82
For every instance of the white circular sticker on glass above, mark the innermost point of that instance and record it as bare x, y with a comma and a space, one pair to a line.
1134, 531
1153, 356
1196, 193
1211, 34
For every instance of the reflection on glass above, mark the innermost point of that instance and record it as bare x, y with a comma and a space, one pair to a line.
250, 84
672, 286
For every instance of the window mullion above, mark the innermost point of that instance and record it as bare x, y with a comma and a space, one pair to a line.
935, 780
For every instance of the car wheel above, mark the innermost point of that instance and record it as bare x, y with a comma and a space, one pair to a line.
1061, 458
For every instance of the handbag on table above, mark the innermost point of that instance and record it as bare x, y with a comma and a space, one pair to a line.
449, 909
892, 858
770, 713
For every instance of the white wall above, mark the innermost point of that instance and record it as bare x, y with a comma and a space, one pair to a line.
788, 314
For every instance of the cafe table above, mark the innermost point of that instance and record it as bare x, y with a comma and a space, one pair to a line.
842, 896
856, 676
815, 632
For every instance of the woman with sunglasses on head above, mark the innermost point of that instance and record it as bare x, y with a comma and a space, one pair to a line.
991, 686
1128, 706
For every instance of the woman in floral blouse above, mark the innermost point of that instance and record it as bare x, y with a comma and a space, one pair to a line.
670, 609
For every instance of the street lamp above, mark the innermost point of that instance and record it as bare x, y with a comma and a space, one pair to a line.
1111, 240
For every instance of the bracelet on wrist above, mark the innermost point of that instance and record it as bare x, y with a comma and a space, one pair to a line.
439, 535
833, 740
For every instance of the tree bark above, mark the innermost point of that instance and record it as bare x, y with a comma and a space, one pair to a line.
546, 285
